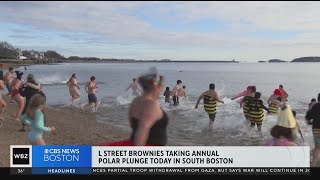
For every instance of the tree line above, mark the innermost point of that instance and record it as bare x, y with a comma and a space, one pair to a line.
8, 51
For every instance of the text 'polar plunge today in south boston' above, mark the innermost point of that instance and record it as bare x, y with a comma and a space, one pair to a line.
200, 156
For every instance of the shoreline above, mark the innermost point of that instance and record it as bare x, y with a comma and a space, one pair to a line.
18, 63
73, 128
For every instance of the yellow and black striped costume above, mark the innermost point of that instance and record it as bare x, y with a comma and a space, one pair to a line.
247, 100
256, 112
273, 108
210, 105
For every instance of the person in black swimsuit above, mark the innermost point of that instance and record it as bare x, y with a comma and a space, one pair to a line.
147, 119
30, 88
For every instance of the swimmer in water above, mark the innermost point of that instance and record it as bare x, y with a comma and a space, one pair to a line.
210, 99
175, 92
182, 92
243, 93
274, 105
92, 98
276, 94
246, 101
256, 111
73, 89
284, 93
34, 117
312, 103
136, 91
167, 94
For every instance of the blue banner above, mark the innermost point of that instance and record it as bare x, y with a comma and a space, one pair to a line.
61, 156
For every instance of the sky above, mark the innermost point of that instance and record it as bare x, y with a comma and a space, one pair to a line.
245, 31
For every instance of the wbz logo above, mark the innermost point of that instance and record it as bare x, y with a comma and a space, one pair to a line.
20, 156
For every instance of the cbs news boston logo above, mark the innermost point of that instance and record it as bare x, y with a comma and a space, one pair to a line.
20, 156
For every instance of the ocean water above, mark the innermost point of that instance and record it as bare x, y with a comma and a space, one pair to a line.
189, 126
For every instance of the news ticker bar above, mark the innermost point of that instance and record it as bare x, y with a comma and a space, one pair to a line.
163, 171
27, 156
158, 160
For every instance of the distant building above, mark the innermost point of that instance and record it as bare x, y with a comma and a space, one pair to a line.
41, 55
22, 57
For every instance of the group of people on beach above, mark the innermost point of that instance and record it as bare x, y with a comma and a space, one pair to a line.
149, 121
31, 103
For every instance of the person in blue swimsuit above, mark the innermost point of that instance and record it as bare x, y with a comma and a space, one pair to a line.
34, 117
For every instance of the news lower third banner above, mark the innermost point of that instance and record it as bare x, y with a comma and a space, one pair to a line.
27, 159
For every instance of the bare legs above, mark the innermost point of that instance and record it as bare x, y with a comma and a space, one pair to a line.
83, 106
316, 153
211, 120
210, 124
96, 106
3, 105
75, 94
19, 99
92, 105
39, 142
9, 94
73, 98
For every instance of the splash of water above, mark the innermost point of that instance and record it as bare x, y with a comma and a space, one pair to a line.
124, 99
53, 79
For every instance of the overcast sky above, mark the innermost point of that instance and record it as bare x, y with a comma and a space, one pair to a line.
245, 31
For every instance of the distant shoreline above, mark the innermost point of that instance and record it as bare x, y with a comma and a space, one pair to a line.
84, 61
17, 62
